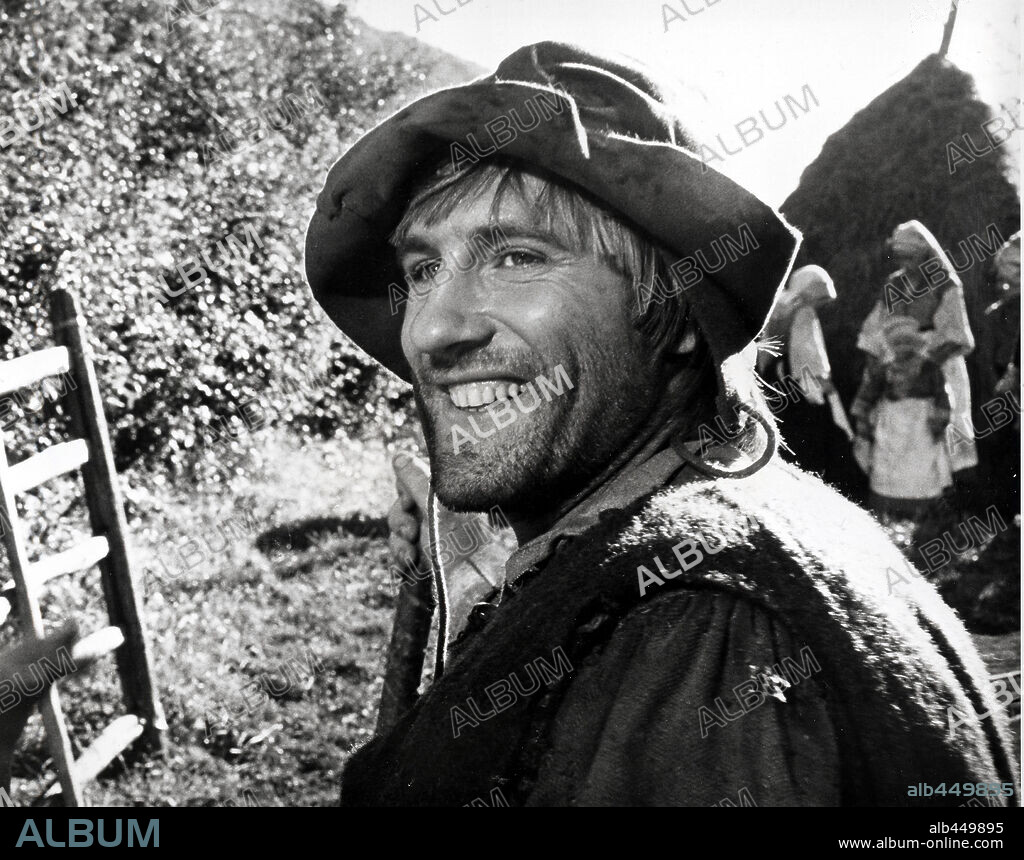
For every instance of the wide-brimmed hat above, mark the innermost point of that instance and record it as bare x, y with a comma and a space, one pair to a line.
599, 124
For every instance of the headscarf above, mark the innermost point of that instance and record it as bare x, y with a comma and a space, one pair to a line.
915, 245
808, 286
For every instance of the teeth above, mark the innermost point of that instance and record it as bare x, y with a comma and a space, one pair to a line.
477, 394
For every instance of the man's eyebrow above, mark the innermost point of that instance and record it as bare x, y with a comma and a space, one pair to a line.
410, 244
501, 234
494, 234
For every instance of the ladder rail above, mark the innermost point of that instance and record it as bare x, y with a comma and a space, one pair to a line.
32, 619
106, 515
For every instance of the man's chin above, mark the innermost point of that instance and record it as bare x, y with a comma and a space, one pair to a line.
465, 500
478, 483
503, 468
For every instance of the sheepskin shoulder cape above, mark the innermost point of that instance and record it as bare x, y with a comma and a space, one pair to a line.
877, 675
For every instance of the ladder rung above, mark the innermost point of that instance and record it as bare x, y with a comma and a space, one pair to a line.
27, 369
47, 464
112, 741
86, 554
97, 644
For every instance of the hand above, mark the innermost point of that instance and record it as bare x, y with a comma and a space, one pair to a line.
1010, 380
405, 517
459, 536
15, 704
937, 424
942, 352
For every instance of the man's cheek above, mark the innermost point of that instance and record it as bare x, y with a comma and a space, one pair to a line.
410, 312
406, 341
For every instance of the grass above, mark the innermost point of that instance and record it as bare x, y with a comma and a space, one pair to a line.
269, 605
293, 600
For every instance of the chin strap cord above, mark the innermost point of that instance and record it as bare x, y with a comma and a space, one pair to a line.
771, 445
433, 523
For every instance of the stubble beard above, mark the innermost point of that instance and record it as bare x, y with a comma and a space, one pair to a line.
545, 457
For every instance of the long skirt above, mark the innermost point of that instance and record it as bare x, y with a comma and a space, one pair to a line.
906, 462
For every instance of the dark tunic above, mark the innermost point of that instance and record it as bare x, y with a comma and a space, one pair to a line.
788, 656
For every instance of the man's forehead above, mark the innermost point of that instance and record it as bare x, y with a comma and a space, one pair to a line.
481, 214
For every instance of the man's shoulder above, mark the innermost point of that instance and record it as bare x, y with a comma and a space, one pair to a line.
781, 538
780, 510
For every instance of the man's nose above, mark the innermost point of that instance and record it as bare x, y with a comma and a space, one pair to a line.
447, 319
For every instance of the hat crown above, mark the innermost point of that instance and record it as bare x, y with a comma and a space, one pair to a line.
542, 62
609, 95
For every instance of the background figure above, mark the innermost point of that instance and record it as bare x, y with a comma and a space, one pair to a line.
813, 422
1008, 277
902, 411
927, 289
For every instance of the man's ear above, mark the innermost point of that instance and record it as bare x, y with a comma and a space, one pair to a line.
687, 341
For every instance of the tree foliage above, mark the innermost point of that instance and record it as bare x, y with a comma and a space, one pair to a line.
112, 195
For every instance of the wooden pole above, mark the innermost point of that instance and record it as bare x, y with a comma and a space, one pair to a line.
406, 651
106, 514
947, 32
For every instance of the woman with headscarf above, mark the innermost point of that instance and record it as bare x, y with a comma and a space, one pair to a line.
927, 290
814, 424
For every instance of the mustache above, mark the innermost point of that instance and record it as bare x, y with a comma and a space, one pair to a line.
491, 363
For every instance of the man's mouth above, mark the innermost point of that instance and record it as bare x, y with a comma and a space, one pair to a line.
480, 394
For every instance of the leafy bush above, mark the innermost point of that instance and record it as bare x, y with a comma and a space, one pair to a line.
110, 196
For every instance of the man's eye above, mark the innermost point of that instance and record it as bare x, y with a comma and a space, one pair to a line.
514, 259
424, 270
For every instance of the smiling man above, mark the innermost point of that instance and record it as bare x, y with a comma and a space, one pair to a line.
539, 323
680, 625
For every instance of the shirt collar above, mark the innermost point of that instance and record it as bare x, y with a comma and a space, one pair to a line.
633, 482
629, 485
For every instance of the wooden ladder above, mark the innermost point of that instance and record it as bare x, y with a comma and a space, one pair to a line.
91, 453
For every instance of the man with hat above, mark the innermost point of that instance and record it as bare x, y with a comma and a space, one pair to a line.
680, 624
